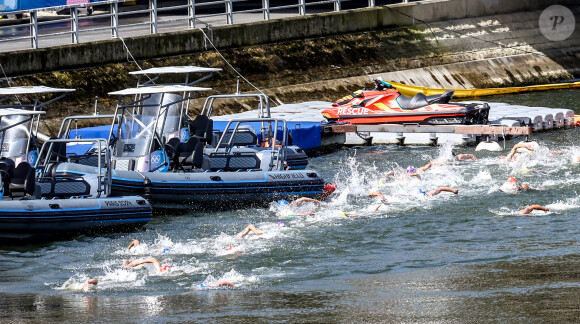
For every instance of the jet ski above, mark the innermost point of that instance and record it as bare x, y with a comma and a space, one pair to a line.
385, 104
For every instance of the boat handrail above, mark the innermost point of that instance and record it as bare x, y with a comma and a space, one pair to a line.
62, 132
263, 105
277, 151
104, 177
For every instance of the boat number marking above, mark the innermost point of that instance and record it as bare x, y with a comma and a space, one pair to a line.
280, 176
118, 203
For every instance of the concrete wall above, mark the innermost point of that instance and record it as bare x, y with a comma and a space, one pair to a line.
263, 32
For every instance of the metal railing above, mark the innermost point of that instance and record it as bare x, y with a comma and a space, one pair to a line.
176, 13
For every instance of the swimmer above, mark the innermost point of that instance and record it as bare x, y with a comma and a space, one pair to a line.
133, 243
464, 156
429, 165
531, 208
380, 204
437, 191
90, 283
154, 261
512, 185
299, 202
221, 283
377, 194
532, 146
247, 230
302, 200
410, 172
329, 188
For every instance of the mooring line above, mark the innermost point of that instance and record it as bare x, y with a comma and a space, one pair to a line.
133, 58
231, 66
8, 82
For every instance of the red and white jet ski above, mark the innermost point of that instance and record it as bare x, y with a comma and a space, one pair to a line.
385, 104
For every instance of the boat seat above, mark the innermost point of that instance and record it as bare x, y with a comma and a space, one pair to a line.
417, 101
64, 187
443, 98
202, 128
87, 159
7, 172
189, 154
231, 162
57, 152
22, 182
245, 136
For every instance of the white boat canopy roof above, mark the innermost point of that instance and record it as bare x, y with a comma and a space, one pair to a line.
175, 69
158, 89
31, 90
13, 112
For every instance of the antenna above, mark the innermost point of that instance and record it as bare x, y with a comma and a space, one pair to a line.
96, 112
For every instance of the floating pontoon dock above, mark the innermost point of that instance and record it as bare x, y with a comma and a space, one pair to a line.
305, 122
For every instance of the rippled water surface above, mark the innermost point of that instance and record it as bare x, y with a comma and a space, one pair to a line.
447, 258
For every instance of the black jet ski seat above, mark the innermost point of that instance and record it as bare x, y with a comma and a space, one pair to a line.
420, 100
443, 98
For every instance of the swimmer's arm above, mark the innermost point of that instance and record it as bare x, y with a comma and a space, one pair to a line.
531, 208
306, 199
222, 283
133, 244
389, 174
377, 194
154, 261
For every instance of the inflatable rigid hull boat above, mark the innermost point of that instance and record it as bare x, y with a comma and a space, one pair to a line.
161, 154
34, 203
209, 190
46, 218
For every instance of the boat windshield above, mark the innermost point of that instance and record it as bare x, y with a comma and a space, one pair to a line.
14, 139
137, 131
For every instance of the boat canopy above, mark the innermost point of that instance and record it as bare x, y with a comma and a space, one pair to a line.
31, 90
14, 111
158, 89
176, 69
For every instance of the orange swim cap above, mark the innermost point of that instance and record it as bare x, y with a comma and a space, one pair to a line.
512, 179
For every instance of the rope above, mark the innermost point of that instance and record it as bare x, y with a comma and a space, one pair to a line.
8, 82
133, 60
234, 69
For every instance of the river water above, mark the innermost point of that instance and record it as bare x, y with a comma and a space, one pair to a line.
447, 258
